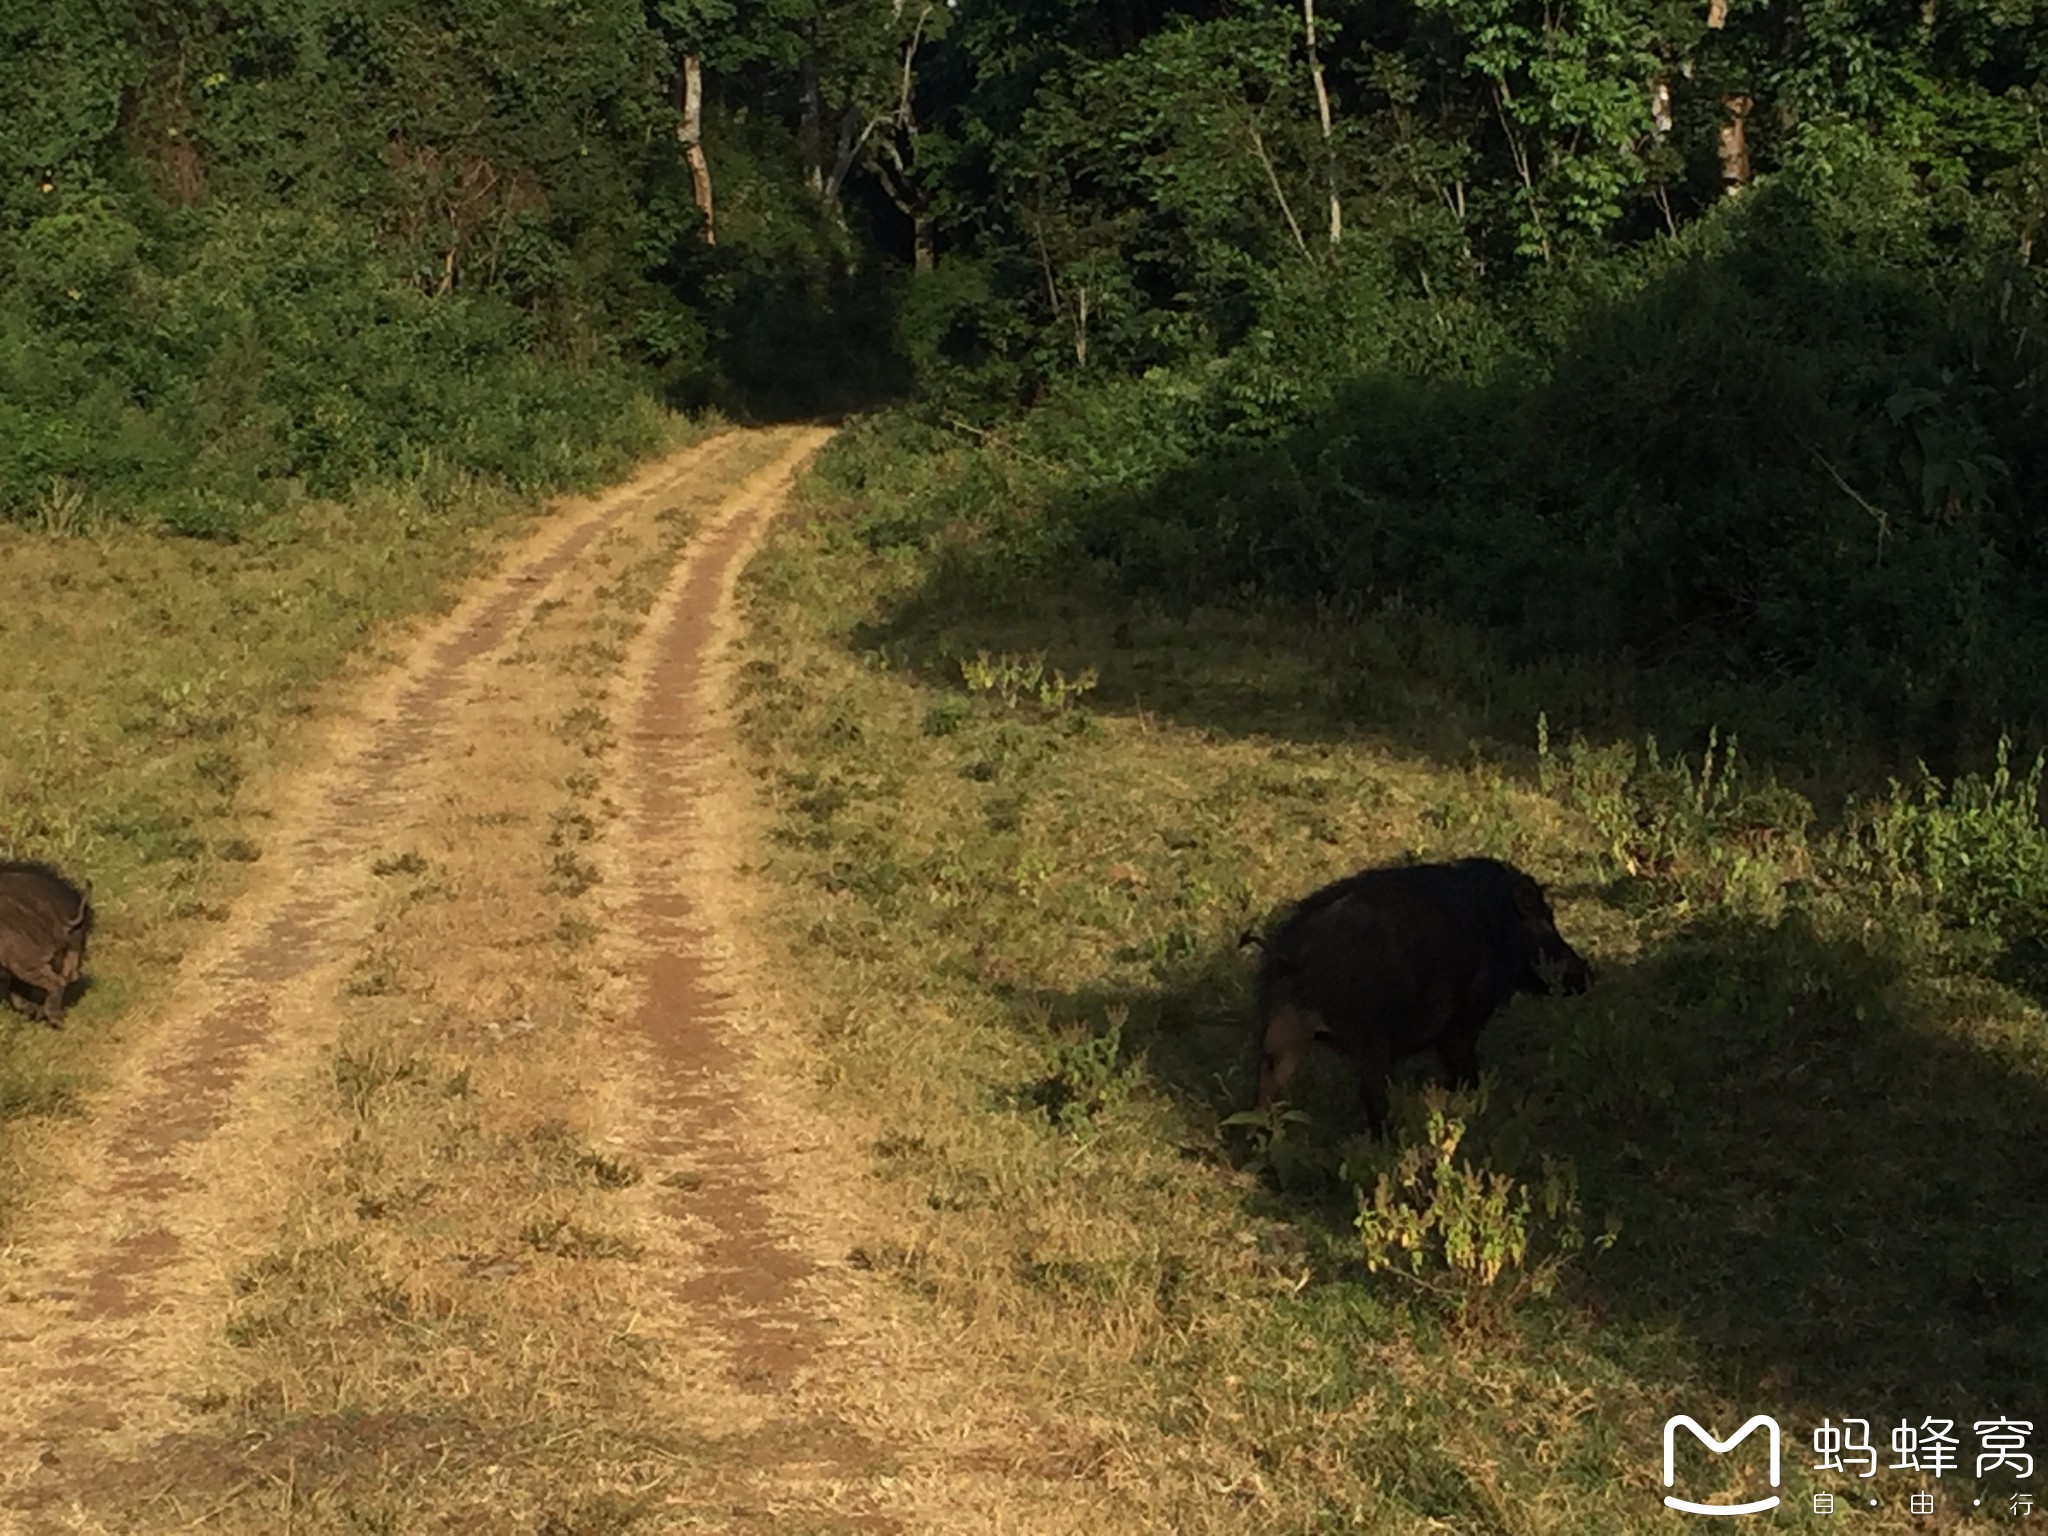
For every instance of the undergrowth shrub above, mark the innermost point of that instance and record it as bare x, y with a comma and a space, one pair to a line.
1467, 1231
1091, 1075
1972, 855
1707, 832
1771, 454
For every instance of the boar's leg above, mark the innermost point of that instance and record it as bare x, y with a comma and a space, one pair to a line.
52, 985
1458, 1048
1372, 1053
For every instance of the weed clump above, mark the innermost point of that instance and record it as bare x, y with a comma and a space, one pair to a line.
1090, 1076
1466, 1230
1710, 833
1970, 857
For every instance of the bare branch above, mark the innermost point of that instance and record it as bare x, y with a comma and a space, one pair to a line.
1501, 98
1052, 288
1279, 192
1878, 515
851, 143
903, 114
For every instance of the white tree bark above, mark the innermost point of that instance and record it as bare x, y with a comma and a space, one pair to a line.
690, 130
1315, 71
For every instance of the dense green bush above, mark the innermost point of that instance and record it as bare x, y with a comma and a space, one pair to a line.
268, 350
1770, 456
253, 253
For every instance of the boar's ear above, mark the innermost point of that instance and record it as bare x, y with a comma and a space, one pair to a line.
1530, 900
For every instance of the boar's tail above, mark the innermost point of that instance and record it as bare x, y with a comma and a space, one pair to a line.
1248, 939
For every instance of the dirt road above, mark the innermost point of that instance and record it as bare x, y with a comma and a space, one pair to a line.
450, 1188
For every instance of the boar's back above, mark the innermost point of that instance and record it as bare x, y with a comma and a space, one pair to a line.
39, 907
1399, 951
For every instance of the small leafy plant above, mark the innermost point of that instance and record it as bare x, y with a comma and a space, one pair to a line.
1012, 678
1971, 856
1472, 1236
1279, 1148
1090, 1076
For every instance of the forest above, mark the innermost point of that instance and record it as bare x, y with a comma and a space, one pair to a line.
1726, 319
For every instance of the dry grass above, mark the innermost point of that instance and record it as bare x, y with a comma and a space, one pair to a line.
464, 1312
145, 679
474, 1254
476, 1249
458, 1255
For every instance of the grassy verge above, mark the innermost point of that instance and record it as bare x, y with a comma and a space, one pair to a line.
144, 677
1779, 1161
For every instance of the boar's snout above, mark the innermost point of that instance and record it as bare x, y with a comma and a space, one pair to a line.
1573, 973
1555, 966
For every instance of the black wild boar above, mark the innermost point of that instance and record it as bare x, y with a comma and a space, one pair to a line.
44, 922
1394, 960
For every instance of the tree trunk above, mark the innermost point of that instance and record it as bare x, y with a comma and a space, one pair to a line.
895, 152
852, 137
690, 131
1502, 96
1315, 71
898, 185
1734, 144
811, 131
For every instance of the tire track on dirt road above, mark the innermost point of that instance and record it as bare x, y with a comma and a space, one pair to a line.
190, 1086
701, 1093
749, 1276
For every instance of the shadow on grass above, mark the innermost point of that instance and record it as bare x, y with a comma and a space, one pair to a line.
1829, 1201
1821, 1158
26, 1001
1250, 668
1575, 535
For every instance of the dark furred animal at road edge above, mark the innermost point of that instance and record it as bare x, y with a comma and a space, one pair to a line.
1394, 960
44, 923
